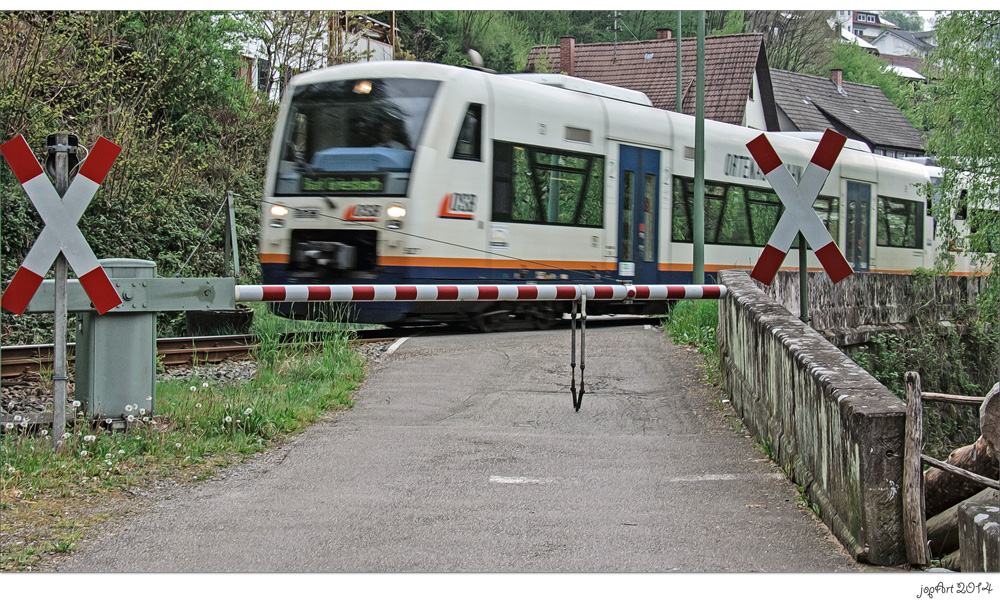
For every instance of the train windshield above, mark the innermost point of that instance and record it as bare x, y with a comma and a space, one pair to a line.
353, 137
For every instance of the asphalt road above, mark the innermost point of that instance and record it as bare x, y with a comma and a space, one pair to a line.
464, 454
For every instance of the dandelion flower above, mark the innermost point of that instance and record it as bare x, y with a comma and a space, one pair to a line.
9, 425
204, 385
108, 421
228, 419
149, 399
17, 418
248, 411
142, 411
128, 407
45, 432
84, 453
194, 389
121, 452
76, 403
24, 423
66, 435
145, 419
108, 462
107, 456
12, 470
90, 438
197, 405
131, 418
178, 445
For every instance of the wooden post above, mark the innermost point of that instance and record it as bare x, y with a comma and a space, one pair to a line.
914, 521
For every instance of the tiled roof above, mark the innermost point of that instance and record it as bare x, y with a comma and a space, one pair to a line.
907, 61
650, 66
862, 112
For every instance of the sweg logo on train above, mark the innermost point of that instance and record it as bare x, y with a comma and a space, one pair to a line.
458, 205
370, 185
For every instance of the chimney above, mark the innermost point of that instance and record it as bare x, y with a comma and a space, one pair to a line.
567, 54
664, 33
837, 76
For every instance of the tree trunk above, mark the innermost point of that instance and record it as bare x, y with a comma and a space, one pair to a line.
943, 489
942, 529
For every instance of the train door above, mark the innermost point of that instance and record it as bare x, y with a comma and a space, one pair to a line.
638, 211
858, 239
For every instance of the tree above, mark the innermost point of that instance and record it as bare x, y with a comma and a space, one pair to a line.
911, 21
160, 84
961, 109
799, 41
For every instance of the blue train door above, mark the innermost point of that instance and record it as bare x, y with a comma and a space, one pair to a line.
638, 214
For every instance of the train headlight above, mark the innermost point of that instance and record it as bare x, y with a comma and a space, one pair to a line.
395, 212
279, 210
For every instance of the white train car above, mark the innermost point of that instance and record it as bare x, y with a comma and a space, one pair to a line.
409, 173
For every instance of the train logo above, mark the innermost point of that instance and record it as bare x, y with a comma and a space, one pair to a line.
458, 205
363, 212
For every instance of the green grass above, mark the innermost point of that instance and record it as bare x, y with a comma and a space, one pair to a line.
696, 323
199, 426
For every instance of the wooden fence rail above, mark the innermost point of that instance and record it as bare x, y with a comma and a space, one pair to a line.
914, 519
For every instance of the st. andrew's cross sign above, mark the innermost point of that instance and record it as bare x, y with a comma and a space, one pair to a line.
799, 215
60, 233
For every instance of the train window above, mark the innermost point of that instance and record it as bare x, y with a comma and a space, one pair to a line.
982, 230
545, 186
649, 219
900, 223
353, 137
628, 214
736, 215
469, 136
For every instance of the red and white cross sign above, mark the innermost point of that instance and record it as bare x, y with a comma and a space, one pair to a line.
799, 215
60, 233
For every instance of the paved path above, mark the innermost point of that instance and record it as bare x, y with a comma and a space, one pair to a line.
463, 453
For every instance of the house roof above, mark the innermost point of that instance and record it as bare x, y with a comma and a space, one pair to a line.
861, 112
916, 64
912, 38
650, 66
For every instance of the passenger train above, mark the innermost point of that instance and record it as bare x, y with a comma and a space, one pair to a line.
411, 173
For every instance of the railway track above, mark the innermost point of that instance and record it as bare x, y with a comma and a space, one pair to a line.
18, 360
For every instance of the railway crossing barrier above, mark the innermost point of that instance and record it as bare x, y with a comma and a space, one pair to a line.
116, 354
116, 351
576, 293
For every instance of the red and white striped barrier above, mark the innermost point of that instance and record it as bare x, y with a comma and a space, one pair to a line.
471, 292
60, 232
799, 215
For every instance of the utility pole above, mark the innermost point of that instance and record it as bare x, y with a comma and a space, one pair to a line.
699, 160
680, 89
614, 30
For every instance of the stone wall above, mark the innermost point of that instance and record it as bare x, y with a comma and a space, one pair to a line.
831, 425
851, 312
